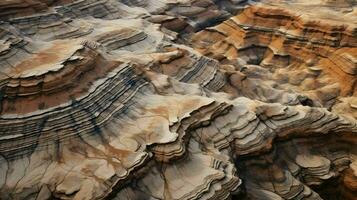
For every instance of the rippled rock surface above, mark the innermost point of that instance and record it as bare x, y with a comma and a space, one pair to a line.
178, 99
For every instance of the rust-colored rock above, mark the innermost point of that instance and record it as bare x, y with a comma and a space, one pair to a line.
178, 99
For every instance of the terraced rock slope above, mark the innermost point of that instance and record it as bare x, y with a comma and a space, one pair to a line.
178, 99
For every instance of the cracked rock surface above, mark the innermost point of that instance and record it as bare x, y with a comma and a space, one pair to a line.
178, 99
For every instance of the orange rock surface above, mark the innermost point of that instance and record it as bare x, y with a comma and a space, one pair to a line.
178, 99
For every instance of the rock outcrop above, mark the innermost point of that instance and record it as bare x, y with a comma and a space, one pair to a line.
178, 99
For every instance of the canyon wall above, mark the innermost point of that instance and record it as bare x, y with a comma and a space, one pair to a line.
178, 99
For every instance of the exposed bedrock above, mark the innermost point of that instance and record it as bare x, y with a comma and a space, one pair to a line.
313, 57
178, 99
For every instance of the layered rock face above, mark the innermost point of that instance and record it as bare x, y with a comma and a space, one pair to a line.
178, 99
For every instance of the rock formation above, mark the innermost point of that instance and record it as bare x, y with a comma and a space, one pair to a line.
178, 99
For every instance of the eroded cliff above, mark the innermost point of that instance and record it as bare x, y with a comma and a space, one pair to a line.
178, 99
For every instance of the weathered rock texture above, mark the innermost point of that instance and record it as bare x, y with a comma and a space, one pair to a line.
178, 99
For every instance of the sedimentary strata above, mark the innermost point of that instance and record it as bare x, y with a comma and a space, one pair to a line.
186, 99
